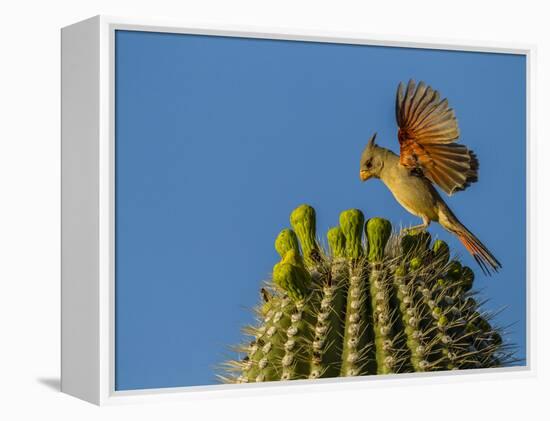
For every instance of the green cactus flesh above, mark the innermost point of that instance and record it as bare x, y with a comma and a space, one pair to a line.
392, 302
303, 222
286, 241
351, 223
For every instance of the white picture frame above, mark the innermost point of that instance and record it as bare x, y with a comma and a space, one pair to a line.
88, 211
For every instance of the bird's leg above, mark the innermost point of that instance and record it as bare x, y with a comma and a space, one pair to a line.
422, 227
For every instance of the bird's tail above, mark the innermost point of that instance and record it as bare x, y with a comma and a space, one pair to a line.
477, 249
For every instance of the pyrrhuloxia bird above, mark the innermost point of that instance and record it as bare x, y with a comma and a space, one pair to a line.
428, 130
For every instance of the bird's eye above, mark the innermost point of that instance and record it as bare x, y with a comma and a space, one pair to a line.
369, 163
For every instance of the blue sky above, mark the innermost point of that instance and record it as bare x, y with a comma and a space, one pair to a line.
218, 139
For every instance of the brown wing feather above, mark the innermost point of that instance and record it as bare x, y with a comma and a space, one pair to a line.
428, 130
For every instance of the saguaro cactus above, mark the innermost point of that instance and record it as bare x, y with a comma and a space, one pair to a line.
390, 303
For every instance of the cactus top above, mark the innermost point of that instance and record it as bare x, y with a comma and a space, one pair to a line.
302, 220
351, 222
291, 276
337, 242
378, 232
408, 311
293, 257
286, 240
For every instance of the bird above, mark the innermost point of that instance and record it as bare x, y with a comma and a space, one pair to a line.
429, 156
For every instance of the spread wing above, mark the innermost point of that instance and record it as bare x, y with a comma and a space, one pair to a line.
427, 134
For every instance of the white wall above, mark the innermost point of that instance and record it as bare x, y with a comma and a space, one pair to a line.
29, 206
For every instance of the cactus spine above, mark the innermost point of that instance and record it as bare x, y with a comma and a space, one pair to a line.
389, 304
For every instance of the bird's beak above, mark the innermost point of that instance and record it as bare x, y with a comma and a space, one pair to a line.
364, 175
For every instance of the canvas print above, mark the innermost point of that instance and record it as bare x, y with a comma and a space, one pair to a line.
290, 210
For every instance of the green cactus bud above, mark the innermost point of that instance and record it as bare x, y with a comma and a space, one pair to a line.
285, 241
337, 242
467, 278
415, 263
436, 312
294, 280
400, 270
302, 220
455, 271
442, 321
293, 257
441, 251
352, 221
378, 232
442, 283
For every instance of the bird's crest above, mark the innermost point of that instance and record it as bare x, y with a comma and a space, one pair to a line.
371, 143
369, 148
